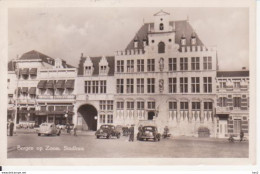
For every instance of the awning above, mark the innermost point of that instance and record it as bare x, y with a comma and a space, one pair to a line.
60, 84
33, 71
32, 90
42, 84
25, 71
24, 89
69, 84
50, 84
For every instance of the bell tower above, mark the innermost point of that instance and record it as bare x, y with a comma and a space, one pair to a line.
161, 22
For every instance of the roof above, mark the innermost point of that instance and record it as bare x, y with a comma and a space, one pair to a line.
181, 28
95, 61
33, 55
232, 73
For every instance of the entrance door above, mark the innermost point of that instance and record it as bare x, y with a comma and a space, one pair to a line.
88, 121
151, 114
237, 126
222, 128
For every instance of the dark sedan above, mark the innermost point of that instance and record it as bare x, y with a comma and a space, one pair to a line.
148, 132
107, 131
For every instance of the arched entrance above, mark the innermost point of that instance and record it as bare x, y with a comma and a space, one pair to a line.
151, 114
86, 116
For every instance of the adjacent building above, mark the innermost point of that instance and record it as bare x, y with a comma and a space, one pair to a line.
42, 88
232, 109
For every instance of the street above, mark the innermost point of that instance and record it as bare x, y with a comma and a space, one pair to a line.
87, 146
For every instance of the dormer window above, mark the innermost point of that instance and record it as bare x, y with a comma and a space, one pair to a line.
161, 26
103, 66
88, 70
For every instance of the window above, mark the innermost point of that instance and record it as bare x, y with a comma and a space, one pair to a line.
95, 87
172, 85
208, 106
43, 108
222, 101
184, 105
120, 105
237, 102
172, 105
183, 63
88, 70
150, 85
151, 105
109, 118
161, 47
140, 65
172, 64
207, 63
130, 65
88, 87
150, 65
140, 85
120, 85
109, 105
120, 66
236, 84
222, 84
161, 26
102, 118
195, 84
130, 105
103, 86
102, 105
195, 63
184, 84
140, 105
237, 126
103, 69
207, 84
130, 85
195, 105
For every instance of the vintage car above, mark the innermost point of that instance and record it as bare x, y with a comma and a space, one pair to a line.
148, 132
107, 131
48, 129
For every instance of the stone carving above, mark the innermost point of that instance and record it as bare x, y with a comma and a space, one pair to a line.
161, 64
161, 85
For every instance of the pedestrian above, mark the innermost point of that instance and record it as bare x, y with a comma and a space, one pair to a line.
8, 127
131, 130
11, 128
241, 135
75, 130
68, 128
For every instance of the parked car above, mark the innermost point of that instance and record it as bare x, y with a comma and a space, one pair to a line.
148, 132
48, 129
107, 131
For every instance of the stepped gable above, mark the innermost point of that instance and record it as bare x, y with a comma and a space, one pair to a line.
181, 28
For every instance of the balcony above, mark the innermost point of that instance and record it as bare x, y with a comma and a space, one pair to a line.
26, 101
56, 97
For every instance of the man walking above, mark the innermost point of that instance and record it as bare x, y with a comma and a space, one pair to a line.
132, 130
241, 135
11, 127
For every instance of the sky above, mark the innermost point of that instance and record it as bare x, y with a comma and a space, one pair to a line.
96, 31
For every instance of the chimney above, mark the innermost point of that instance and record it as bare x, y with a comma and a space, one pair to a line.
81, 54
244, 68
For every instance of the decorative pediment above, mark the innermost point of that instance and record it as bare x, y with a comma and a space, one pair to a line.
103, 66
88, 66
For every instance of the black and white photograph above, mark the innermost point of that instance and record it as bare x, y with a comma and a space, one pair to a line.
161, 82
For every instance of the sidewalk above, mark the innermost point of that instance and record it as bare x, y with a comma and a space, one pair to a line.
63, 132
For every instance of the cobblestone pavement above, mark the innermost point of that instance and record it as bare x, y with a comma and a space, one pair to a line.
85, 145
